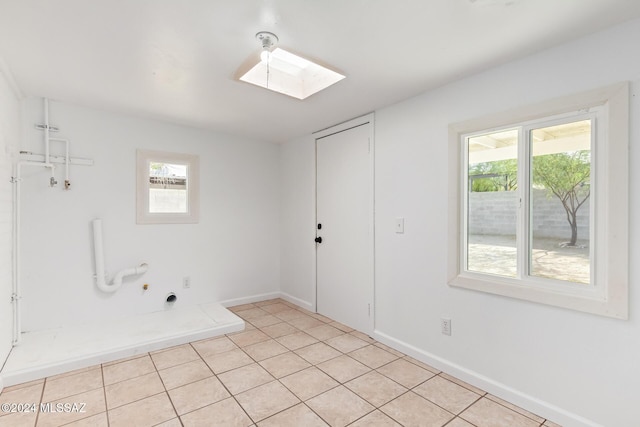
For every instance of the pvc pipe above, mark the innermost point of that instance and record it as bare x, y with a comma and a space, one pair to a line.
16, 288
101, 281
66, 165
117, 279
46, 130
66, 160
17, 179
47, 142
99, 254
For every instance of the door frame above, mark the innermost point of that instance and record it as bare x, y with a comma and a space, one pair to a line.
366, 120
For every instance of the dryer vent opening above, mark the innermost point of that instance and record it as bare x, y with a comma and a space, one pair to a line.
171, 298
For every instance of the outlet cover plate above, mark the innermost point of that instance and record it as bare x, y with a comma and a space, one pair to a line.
445, 325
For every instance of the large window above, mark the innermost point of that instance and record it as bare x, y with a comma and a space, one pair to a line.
540, 203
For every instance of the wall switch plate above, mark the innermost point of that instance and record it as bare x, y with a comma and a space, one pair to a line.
399, 225
186, 282
445, 325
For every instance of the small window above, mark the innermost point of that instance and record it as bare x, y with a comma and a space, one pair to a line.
542, 204
167, 188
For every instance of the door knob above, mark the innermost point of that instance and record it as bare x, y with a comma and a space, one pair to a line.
318, 239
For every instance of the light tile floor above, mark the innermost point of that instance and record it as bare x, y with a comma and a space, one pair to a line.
289, 367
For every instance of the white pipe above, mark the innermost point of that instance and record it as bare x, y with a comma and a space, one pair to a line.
16, 291
46, 130
99, 253
101, 281
66, 160
117, 279
66, 165
17, 179
47, 151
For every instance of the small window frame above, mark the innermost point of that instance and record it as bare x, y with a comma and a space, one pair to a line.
143, 159
608, 296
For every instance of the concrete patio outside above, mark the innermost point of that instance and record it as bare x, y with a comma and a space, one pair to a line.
496, 254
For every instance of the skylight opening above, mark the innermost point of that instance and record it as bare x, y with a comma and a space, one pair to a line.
291, 75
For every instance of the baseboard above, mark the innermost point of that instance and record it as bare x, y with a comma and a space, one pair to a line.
250, 299
297, 301
270, 295
530, 403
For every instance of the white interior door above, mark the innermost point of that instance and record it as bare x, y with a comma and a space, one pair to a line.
344, 222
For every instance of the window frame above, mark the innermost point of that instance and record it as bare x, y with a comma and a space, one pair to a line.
608, 293
143, 159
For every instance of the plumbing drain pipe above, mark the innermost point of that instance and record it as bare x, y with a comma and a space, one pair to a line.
101, 281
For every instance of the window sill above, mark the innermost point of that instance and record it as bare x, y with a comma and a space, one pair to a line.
572, 297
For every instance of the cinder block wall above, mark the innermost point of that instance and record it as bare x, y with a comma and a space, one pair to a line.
495, 213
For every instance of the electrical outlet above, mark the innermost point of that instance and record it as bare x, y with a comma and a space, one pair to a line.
186, 282
445, 324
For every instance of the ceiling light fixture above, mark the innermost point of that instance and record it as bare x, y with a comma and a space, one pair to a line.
284, 72
268, 40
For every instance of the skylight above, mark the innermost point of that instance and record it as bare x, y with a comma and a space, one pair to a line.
291, 75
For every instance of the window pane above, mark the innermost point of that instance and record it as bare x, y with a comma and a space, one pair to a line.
560, 190
492, 203
167, 188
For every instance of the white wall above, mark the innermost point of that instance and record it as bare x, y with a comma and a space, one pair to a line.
231, 253
9, 134
298, 221
576, 368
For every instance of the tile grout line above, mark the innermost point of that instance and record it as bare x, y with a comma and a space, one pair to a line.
460, 418
300, 401
343, 384
469, 406
318, 415
439, 406
75, 394
276, 379
225, 386
304, 402
517, 412
44, 384
376, 370
104, 392
165, 391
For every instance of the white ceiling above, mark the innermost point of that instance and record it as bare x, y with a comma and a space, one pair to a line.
176, 60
